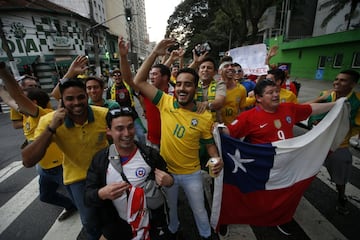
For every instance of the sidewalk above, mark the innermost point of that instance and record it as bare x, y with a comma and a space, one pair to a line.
311, 88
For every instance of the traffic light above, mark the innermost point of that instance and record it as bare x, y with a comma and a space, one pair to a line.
128, 14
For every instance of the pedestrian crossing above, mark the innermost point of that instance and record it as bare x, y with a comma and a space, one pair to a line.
4, 108
316, 221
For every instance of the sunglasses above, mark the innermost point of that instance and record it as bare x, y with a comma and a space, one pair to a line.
238, 71
122, 111
117, 74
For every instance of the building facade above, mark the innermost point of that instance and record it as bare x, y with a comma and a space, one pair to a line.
44, 36
314, 50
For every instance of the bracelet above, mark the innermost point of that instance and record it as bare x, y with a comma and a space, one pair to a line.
53, 131
209, 105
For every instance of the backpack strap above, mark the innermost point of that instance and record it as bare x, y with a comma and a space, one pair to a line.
114, 160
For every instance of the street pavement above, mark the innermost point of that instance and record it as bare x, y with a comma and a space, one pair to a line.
23, 216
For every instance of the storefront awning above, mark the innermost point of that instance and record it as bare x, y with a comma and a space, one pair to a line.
20, 61
63, 61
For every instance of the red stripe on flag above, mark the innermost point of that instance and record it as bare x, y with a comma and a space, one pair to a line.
261, 208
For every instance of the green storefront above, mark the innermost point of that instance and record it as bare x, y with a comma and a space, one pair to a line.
321, 57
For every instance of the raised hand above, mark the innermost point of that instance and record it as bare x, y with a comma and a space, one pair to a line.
78, 66
123, 46
59, 116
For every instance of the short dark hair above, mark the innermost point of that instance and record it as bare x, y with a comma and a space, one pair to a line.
164, 70
235, 64
278, 74
209, 59
353, 74
226, 58
41, 97
261, 85
74, 82
99, 80
192, 72
120, 112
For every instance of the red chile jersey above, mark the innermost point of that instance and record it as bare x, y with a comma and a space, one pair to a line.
258, 126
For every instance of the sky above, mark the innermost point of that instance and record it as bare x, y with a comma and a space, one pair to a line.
157, 14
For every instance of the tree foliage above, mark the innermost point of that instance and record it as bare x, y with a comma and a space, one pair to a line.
224, 23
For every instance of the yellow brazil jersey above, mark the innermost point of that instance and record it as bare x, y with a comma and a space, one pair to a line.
15, 115
181, 131
79, 143
234, 101
53, 156
287, 96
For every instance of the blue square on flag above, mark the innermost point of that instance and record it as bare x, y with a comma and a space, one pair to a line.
246, 166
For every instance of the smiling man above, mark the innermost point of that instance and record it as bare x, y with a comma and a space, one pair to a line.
182, 127
79, 130
339, 162
270, 120
95, 90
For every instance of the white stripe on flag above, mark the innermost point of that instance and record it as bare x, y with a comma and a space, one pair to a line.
301, 157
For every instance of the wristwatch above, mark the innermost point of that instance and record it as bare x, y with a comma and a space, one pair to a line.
64, 80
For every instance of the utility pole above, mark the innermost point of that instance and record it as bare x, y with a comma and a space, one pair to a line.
95, 37
6, 48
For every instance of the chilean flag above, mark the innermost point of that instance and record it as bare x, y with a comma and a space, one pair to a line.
262, 184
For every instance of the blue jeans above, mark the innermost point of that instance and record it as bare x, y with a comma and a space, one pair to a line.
88, 215
193, 188
49, 182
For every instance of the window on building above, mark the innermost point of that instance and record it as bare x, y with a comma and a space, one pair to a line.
356, 60
321, 63
338, 59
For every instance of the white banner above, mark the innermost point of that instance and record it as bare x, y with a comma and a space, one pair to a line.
251, 58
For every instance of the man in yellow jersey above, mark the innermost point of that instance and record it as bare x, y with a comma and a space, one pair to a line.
79, 130
235, 99
181, 130
33, 106
16, 118
339, 162
278, 76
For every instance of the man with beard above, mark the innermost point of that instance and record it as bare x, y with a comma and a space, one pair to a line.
79, 130
182, 127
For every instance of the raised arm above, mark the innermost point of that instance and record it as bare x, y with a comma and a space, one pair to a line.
7, 99
318, 108
175, 55
25, 105
197, 60
78, 66
124, 64
35, 151
140, 79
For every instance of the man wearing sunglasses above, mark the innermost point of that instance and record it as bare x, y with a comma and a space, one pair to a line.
182, 127
107, 186
123, 94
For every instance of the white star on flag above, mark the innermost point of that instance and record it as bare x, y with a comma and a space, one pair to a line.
238, 161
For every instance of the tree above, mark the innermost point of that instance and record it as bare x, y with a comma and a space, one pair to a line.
336, 7
224, 23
